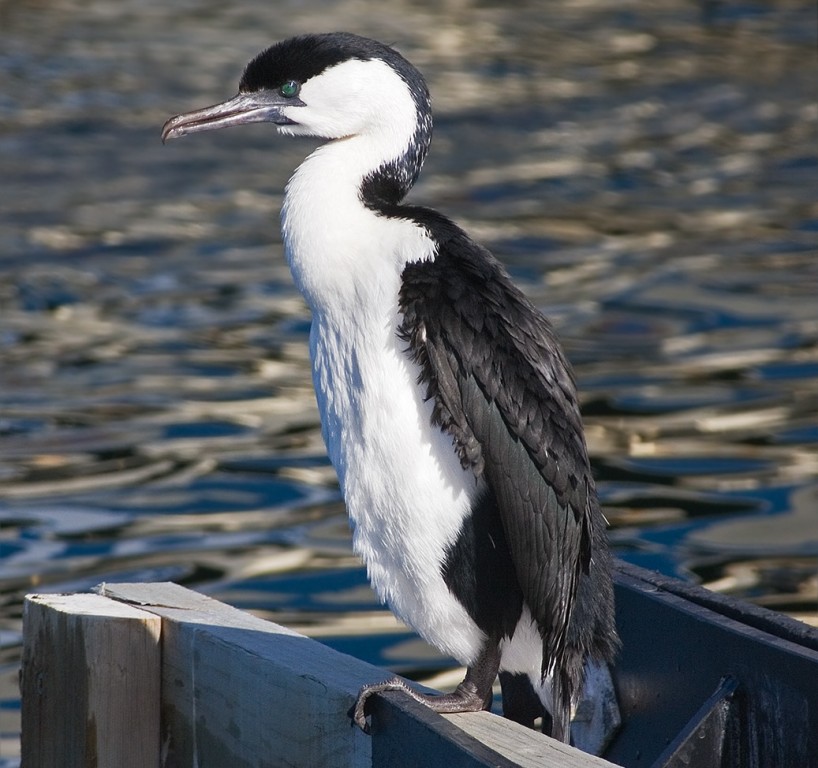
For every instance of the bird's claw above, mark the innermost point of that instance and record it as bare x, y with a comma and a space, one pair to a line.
358, 712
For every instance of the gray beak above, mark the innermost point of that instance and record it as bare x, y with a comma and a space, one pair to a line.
256, 107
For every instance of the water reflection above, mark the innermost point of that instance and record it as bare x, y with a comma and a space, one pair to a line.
646, 173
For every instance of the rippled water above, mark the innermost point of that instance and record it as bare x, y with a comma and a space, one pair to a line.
647, 173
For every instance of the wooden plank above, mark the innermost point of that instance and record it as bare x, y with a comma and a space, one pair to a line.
514, 740
705, 741
771, 622
241, 691
676, 651
406, 734
90, 683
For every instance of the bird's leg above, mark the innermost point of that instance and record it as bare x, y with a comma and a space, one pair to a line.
520, 702
472, 695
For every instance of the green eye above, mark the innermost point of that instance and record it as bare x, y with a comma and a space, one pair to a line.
289, 89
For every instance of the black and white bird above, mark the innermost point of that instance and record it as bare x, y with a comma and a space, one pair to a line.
447, 406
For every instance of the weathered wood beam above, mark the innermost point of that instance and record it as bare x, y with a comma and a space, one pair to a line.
90, 682
239, 691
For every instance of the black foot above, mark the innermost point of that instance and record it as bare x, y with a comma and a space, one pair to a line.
465, 698
520, 703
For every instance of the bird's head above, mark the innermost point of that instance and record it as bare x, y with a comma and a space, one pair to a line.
330, 86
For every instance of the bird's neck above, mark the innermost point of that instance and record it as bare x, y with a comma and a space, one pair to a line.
344, 237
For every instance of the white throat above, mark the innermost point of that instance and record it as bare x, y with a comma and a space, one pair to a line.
337, 248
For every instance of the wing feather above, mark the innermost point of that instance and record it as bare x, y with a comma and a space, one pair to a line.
504, 391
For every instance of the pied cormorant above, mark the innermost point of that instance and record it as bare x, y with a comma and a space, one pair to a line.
447, 406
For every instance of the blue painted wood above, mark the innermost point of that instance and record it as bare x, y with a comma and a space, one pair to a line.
405, 734
679, 642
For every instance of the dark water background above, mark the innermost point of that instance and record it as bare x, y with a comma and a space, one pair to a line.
648, 172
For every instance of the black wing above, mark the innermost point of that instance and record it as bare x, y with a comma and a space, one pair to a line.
504, 391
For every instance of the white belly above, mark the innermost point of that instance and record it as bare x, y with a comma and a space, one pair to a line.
405, 491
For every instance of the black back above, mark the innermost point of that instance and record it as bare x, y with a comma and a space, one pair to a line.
503, 389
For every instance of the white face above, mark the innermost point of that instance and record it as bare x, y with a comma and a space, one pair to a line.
351, 99
354, 98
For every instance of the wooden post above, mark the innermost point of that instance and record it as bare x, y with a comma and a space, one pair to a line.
90, 682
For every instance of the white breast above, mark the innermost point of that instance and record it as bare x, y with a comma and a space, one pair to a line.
405, 491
